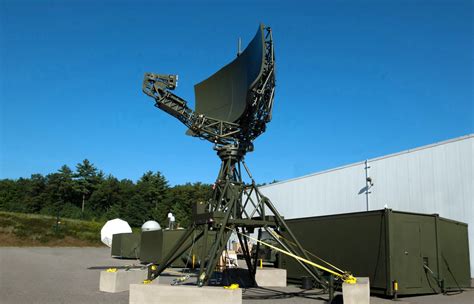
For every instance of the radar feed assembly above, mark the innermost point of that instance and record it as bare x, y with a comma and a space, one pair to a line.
233, 107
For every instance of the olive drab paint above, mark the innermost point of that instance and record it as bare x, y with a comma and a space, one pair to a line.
415, 253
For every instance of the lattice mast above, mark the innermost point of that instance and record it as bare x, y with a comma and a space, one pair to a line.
235, 205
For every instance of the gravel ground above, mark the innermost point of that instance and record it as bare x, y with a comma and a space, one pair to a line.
71, 275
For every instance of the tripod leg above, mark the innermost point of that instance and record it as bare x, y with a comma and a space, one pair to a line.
255, 258
203, 253
214, 256
222, 237
248, 261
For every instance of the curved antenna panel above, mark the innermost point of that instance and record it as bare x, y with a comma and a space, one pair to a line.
224, 95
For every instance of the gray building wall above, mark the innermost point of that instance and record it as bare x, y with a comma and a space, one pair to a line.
437, 178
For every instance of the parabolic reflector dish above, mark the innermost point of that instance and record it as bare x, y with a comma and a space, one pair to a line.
223, 95
113, 227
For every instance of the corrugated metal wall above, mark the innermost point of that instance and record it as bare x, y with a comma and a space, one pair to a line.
432, 179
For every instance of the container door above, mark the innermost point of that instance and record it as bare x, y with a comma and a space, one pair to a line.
408, 266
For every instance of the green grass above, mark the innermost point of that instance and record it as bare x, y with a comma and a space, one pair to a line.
19, 229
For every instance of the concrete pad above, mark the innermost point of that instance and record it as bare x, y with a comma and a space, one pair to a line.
358, 293
271, 277
182, 294
121, 279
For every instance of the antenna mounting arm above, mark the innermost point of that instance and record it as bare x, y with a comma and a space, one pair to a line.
158, 87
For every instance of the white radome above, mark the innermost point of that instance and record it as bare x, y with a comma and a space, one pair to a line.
151, 226
113, 227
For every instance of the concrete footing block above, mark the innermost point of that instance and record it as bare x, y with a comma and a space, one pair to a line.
271, 277
358, 293
121, 279
182, 294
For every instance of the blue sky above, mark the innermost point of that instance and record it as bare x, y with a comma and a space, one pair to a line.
355, 80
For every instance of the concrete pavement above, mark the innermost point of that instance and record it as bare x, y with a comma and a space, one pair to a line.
71, 275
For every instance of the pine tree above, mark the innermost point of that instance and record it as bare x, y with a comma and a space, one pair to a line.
59, 190
87, 178
153, 190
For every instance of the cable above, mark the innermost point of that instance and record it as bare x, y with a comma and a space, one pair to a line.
427, 269
345, 276
276, 294
460, 290
452, 293
312, 254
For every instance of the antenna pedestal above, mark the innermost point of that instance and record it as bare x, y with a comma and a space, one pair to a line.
234, 207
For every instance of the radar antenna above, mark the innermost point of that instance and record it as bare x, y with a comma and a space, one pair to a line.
233, 107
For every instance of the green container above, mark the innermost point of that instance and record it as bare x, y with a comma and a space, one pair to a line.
422, 253
155, 245
126, 245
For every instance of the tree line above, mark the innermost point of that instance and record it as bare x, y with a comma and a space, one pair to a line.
88, 193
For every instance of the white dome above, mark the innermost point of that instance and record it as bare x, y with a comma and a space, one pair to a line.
112, 227
151, 226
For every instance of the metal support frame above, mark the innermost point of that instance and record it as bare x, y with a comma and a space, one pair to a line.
235, 206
